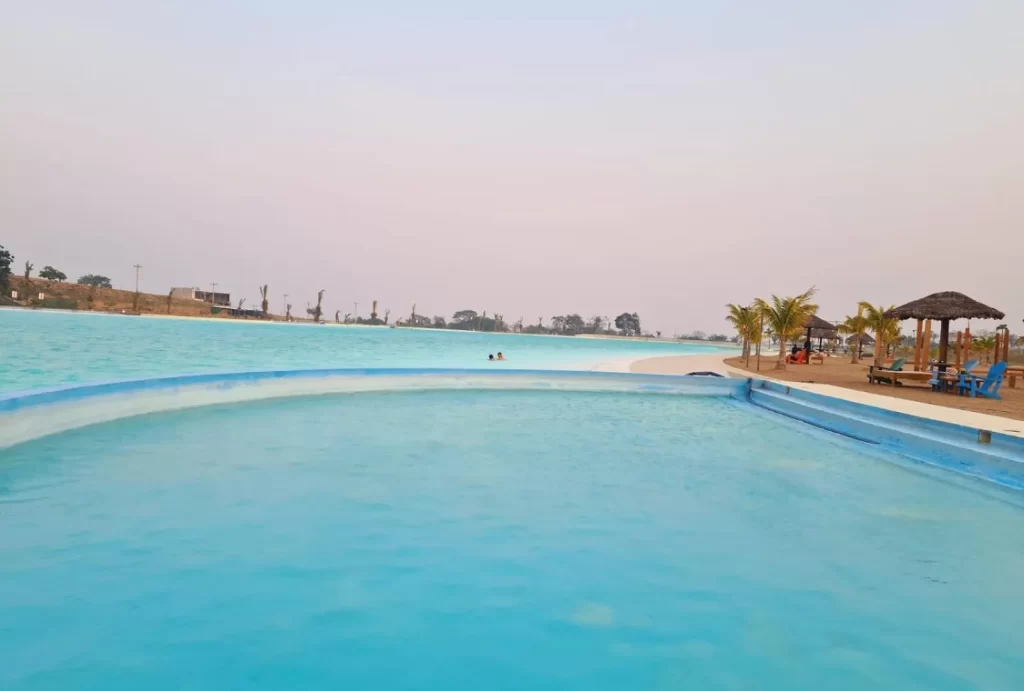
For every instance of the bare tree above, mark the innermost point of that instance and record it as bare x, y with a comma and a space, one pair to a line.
337, 314
264, 291
373, 311
29, 266
387, 313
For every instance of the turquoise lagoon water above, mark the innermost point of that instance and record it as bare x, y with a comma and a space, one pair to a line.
41, 348
497, 540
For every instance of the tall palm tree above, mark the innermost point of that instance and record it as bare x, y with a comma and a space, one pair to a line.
887, 329
786, 317
746, 321
854, 326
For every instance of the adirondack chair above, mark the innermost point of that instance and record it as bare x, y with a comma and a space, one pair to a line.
896, 366
987, 387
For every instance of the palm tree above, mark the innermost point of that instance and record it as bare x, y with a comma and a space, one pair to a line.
265, 304
985, 344
854, 326
786, 317
318, 311
373, 312
887, 329
746, 321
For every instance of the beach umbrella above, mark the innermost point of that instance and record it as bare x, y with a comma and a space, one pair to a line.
944, 307
817, 327
865, 340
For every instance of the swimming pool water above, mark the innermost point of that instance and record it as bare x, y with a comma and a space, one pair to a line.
44, 348
498, 540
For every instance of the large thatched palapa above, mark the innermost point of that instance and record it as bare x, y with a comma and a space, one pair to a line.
945, 307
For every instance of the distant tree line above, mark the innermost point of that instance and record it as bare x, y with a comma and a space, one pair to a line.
701, 336
48, 273
626, 324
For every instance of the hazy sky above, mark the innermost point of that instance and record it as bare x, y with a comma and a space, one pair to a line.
529, 158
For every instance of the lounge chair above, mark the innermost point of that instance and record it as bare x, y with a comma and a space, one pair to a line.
987, 387
798, 360
896, 366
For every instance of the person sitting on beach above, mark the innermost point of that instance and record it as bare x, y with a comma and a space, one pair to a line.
500, 356
491, 356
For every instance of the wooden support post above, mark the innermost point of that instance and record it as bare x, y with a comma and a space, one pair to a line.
918, 341
927, 342
959, 348
998, 346
967, 343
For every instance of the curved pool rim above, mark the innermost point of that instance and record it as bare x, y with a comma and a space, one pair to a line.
29, 415
990, 456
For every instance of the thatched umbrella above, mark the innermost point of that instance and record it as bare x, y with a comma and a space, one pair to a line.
818, 328
865, 340
945, 307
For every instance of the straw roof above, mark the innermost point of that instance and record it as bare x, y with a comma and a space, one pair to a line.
865, 339
945, 306
817, 323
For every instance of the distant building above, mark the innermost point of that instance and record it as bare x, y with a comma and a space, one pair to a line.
221, 299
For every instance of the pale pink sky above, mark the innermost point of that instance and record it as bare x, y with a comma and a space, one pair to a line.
540, 159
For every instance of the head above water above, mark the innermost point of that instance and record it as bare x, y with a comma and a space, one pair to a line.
490, 357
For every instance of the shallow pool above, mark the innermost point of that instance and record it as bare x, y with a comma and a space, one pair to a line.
499, 540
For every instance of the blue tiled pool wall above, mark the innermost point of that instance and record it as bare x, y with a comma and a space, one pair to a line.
31, 415
999, 459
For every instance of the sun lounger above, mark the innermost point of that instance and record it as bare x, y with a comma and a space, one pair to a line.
873, 370
895, 377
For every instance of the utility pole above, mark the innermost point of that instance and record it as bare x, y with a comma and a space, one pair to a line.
137, 267
355, 310
213, 293
286, 303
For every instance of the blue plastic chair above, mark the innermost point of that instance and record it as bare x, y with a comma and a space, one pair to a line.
987, 387
946, 384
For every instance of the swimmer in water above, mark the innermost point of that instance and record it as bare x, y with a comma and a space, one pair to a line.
490, 357
500, 356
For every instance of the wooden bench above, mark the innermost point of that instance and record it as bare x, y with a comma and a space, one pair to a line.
885, 376
819, 357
